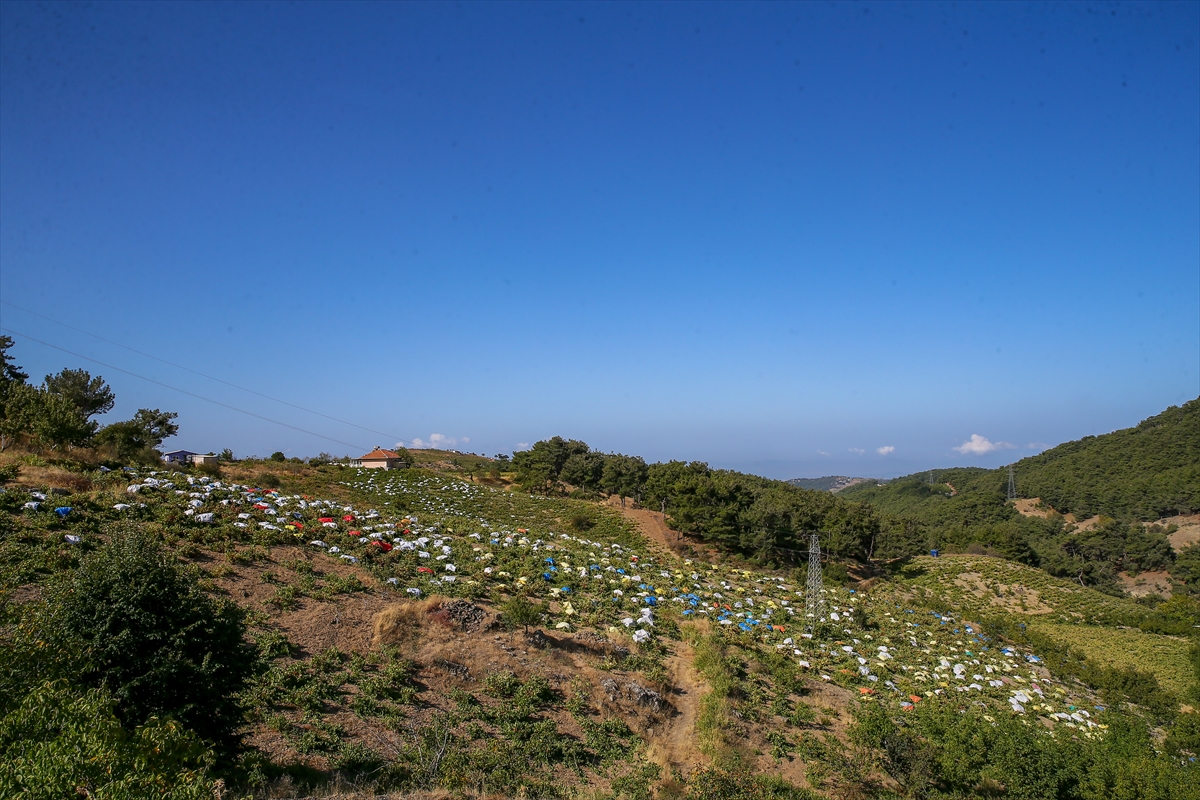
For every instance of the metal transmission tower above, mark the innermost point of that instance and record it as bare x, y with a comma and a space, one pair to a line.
814, 594
1012, 484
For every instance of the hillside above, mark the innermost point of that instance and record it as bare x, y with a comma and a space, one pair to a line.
378, 601
829, 483
1142, 473
1082, 506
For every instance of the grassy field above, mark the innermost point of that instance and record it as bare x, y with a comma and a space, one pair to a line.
1166, 657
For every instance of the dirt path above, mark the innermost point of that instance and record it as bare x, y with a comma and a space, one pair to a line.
653, 526
678, 742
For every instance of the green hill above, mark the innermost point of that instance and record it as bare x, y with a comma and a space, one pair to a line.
1144, 473
1127, 477
419, 634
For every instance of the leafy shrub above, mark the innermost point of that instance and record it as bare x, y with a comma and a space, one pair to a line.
269, 480
501, 684
520, 612
356, 759
148, 632
713, 783
59, 742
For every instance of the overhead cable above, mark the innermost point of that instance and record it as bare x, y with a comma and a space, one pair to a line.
181, 391
204, 375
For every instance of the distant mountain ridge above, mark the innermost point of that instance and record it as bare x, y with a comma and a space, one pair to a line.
829, 483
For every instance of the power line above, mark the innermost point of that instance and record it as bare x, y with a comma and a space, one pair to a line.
182, 391
203, 375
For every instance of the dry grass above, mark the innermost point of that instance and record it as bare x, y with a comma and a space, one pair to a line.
46, 477
403, 623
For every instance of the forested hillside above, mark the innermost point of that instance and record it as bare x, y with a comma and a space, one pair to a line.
1143, 473
1126, 477
765, 519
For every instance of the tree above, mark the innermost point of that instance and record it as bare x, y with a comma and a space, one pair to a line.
9, 372
623, 475
539, 466
583, 470
91, 395
226, 455
47, 419
62, 742
278, 456
155, 639
146, 431
520, 612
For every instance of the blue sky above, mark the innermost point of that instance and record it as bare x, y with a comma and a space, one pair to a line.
778, 238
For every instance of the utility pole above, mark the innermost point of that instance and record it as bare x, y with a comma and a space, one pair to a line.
1012, 484
814, 595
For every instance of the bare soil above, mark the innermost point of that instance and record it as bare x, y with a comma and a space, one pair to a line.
653, 525
1146, 583
1188, 533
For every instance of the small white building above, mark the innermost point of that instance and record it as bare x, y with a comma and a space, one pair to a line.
205, 458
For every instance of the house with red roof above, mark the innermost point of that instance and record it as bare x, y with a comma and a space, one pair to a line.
380, 459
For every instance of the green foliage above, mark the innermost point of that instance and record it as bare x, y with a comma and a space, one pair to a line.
623, 475
520, 612
44, 418
715, 783
1179, 616
146, 431
163, 647
59, 742
90, 395
938, 750
539, 468
1186, 569
583, 470
767, 519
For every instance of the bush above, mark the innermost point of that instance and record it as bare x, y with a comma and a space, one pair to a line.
520, 612
147, 632
269, 480
60, 742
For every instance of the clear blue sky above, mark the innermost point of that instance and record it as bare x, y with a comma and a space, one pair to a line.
767, 236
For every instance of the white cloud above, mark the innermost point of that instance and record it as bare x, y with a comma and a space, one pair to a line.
1039, 446
978, 445
883, 451
822, 453
438, 441
858, 450
522, 445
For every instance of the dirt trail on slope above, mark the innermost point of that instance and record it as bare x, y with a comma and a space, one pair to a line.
678, 741
653, 525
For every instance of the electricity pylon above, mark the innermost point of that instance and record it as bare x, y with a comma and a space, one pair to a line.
814, 595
